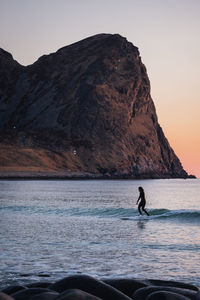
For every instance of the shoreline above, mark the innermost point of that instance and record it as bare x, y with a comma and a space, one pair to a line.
23, 175
82, 178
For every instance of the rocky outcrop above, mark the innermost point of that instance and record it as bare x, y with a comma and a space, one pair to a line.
86, 287
83, 111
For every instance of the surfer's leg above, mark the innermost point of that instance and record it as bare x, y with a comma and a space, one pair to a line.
139, 209
145, 211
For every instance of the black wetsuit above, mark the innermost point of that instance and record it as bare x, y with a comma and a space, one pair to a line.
142, 203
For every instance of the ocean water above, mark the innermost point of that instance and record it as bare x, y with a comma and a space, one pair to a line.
53, 228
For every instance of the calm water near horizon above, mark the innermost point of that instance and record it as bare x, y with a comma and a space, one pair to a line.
53, 228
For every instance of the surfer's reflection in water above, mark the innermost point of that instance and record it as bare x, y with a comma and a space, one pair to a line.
141, 224
142, 201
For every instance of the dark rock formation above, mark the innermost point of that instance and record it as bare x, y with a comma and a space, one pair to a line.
86, 287
89, 285
174, 292
84, 111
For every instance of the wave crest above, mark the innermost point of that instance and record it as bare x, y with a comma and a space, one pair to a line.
162, 214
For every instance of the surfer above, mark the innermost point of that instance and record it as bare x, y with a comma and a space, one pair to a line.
142, 201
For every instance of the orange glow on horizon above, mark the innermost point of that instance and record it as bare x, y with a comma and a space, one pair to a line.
186, 146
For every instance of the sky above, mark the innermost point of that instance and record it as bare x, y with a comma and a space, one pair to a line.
167, 33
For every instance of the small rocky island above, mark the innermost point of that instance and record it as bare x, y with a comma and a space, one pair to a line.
83, 112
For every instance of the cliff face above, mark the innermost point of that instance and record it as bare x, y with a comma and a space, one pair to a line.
85, 110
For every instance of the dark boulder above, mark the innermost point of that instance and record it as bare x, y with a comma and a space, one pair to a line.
75, 294
4, 296
45, 296
171, 283
42, 284
144, 292
126, 286
89, 285
13, 289
162, 295
28, 293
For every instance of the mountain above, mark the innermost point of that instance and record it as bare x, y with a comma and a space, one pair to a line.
83, 111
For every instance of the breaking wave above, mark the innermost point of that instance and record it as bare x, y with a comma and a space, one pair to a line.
119, 213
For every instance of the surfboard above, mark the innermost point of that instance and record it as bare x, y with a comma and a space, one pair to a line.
136, 218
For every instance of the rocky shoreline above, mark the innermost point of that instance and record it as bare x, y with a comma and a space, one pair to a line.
85, 287
25, 175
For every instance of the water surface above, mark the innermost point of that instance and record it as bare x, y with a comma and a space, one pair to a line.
56, 228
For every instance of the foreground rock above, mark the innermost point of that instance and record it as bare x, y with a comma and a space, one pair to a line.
84, 111
83, 287
88, 285
4, 296
144, 293
163, 295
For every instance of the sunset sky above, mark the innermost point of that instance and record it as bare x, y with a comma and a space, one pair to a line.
167, 34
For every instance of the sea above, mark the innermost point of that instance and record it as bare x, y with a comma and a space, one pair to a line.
50, 229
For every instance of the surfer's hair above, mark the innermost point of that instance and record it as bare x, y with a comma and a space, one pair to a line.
141, 189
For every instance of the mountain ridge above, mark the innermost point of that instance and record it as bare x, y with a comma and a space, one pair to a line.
83, 111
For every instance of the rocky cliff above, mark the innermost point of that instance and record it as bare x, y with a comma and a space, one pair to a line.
84, 111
